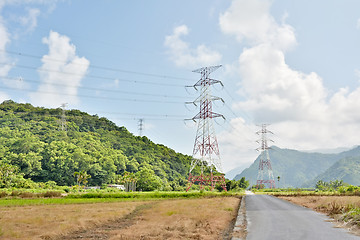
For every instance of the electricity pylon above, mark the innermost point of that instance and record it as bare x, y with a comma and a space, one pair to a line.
265, 173
206, 150
63, 117
141, 126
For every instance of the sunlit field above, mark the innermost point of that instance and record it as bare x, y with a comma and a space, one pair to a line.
207, 217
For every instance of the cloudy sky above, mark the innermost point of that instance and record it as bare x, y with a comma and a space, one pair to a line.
292, 64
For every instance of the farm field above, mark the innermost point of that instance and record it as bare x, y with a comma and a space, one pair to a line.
344, 209
199, 218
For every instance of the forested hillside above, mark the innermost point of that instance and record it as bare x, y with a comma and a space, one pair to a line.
296, 168
32, 140
346, 169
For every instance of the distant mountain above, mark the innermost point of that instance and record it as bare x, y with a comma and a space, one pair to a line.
296, 168
346, 169
235, 171
330, 150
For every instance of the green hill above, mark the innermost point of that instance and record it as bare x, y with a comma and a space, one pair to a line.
346, 169
296, 168
31, 139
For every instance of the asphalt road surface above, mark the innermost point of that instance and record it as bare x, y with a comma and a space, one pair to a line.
272, 218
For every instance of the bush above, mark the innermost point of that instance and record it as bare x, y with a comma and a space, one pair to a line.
50, 194
50, 185
3, 194
15, 193
28, 195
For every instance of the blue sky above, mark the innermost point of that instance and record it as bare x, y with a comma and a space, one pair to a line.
293, 64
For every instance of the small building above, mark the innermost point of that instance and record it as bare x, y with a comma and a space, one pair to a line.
121, 187
92, 187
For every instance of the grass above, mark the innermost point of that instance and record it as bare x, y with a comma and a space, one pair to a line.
46, 221
148, 195
52, 201
205, 218
189, 218
299, 193
170, 213
108, 197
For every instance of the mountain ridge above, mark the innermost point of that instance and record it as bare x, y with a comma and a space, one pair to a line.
296, 168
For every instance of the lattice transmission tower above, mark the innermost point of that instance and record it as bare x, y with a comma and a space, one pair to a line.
265, 174
63, 126
141, 126
206, 150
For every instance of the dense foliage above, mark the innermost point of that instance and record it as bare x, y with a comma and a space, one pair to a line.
32, 146
233, 185
330, 186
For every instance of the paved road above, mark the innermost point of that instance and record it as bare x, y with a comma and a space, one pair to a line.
272, 218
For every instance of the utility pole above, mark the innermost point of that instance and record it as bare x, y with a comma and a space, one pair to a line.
141, 126
265, 173
206, 150
63, 117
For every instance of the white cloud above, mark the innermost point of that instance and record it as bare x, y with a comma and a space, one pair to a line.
61, 73
184, 56
7, 34
237, 145
5, 67
303, 114
251, 21
30, 21
274, 91
358, 24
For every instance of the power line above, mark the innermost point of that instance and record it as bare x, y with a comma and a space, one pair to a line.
99, 67
149, 115
136, 115
234, 100
90, 88
92, 76
97, 97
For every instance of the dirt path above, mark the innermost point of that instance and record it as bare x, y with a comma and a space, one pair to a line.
103, 231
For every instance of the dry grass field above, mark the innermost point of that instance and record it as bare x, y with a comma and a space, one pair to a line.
45, 221
201, 218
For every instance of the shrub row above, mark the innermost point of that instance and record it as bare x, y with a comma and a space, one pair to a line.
24, 194
148, 195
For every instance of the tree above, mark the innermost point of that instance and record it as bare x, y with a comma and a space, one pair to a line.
129, 181
327, 186
10, 177
147, 180
235, 185
243, 183
81, 177
30, 140
7, 174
